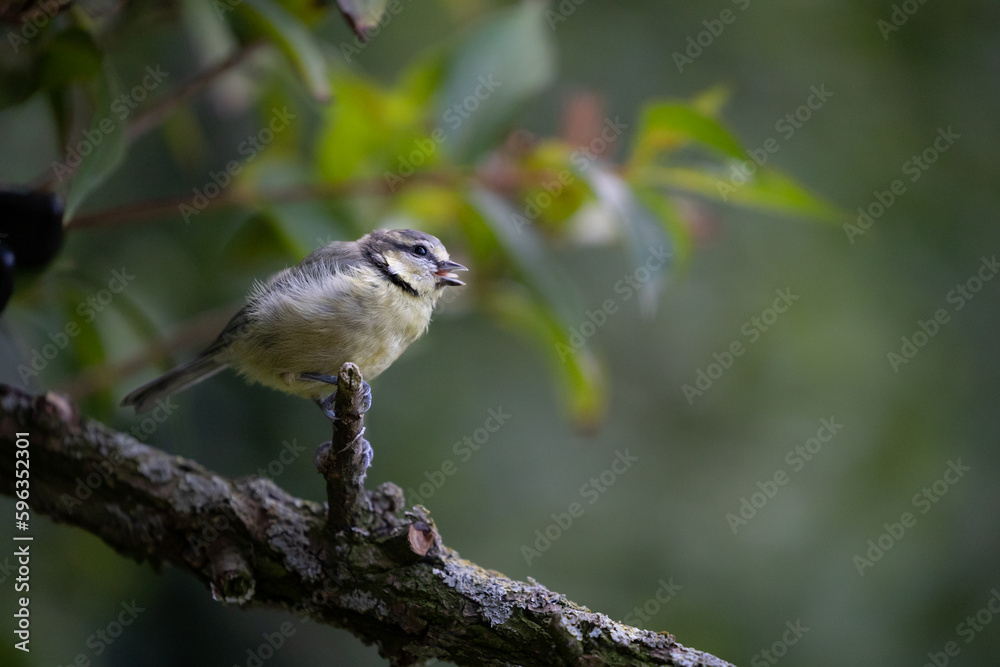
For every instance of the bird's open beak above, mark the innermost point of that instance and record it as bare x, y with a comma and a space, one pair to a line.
445, 275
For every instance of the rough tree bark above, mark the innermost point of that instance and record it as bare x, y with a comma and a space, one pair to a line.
371, 566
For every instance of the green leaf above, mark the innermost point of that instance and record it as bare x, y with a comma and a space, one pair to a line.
523, 249
18, 86
88, 349
420, 80
363, 15
678, 230
373, 132
668, 126
556, 187
495, 70
541, 309
581, 380
294, 40
262, 240
71, 56
766, 189
644, 234
106, 142
711, 100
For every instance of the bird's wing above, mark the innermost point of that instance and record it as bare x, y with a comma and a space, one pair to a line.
239, 322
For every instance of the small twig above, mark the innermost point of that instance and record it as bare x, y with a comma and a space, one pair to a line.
155, 113
503, 179
157, 208
344, 460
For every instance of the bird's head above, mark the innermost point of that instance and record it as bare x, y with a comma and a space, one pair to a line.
414, 261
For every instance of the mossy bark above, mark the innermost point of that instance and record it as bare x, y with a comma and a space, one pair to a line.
387, 578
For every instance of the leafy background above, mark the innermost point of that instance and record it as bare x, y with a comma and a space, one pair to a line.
496, 345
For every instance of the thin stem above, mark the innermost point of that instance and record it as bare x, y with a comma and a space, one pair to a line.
158, 208
152, 116
155, 114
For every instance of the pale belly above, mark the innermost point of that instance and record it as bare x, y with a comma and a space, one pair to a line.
321, 339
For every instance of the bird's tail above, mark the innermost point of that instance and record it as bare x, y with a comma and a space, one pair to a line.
200, 368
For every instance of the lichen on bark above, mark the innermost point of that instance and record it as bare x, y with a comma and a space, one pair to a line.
385, 575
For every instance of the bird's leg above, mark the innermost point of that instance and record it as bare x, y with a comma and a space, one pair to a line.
326, 405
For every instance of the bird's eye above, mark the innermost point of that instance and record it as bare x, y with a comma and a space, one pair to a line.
419, 250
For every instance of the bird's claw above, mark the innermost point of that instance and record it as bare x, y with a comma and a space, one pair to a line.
326, 405
366, 397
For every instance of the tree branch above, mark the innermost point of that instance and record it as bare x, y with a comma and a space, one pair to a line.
344, 461
388, 579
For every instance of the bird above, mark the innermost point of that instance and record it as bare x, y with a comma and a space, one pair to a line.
361, 301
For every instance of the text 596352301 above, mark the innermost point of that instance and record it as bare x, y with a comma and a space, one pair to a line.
22, 554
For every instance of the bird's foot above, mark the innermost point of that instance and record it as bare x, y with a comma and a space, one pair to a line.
326, 405
366, 397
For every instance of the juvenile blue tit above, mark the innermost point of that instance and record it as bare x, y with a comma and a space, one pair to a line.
362, 301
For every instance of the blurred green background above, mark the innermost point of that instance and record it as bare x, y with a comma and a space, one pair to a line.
669, 518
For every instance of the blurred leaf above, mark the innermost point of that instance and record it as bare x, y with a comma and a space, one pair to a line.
559, 190
572, 363
523, 250
679, 231
18, 86
766, 189
71, 56
435, 204
496, 69
106, 142
363, 15
421, 79
309, 12
667, 126
86, 344
262, 240
345, 144
372, 132
294, 40
643, 232
144, 326
711, 100
543, 310
185, 140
